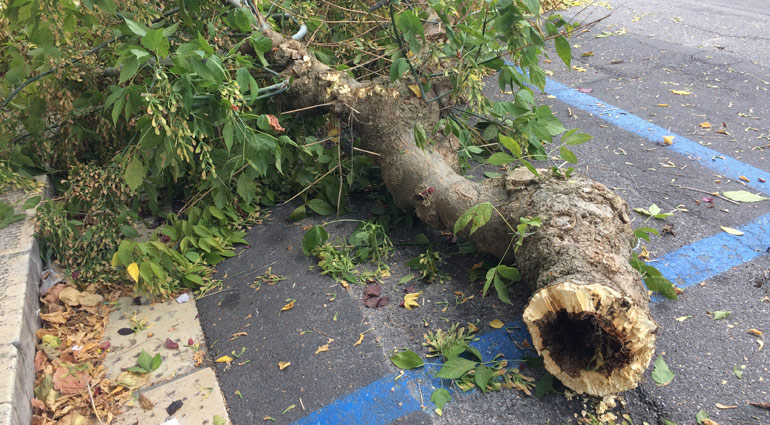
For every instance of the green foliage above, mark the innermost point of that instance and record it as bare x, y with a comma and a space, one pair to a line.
146, 363
368, 243
427, 264
661, 374
654, 279
141, 107
463, 365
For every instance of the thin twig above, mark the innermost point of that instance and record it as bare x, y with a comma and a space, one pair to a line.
339, 165
93, 405
310, 185
366, 151
716, 194
306, 108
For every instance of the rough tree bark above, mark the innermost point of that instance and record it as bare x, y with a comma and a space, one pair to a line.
588, 314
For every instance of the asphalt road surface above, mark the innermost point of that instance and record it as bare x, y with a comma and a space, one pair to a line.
708, 61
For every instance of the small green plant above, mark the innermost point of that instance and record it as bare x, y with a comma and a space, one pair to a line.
336, 261
368, 243
462, 365
146, 363
427, 264
654, 211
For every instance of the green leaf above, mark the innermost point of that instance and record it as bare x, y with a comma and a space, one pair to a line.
507, 272
31, 202
482, 376
440, 398
107, 5
313, 238
406, 359
227, 134
478, 214
128, 69
510, 144
502, 290
644, 233
242, 19
128, 231
653, 278
661, 374
154, 40
298, 213
533, 6
743, 196
218, 420
701, 415
420, 138
567, 155
411, 27
738, 372
144, 361
544, 385
157, 360
455, 368
563, 50
500, 158
398, 68
573, 138
667, 422
422, 239
137, 369
136, 28
135, 173
320, 206
721, 314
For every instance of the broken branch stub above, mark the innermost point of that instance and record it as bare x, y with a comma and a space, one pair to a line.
589, 313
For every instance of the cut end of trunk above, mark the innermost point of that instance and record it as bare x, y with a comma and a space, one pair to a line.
593, 338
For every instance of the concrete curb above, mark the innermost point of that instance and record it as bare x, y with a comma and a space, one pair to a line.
20, 269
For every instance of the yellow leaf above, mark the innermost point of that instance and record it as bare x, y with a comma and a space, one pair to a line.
705, 124
683, 318
410, 300
663, 105
578, 68
344, 284
334, 134
497, 324
224, 359
668, 140
415, 89
322, 348
288, 306
732, 231
360, 340
744, 178
681, 92
114, 262
283, 365
133, 271
755, 332
724, 406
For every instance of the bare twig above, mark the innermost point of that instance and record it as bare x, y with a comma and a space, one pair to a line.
310, 185
93, 405
307, 107
716, 194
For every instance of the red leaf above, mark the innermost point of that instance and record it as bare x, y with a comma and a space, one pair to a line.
373, 290
105, 345
190, 342
171, 345
584, 90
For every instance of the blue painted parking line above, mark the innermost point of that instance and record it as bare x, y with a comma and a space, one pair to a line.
395, 396
709, 158
716, 254
392, 397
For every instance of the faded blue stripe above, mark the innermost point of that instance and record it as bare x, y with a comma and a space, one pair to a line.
709, 158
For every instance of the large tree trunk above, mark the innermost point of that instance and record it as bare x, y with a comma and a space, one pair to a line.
589, 314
